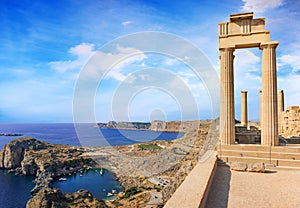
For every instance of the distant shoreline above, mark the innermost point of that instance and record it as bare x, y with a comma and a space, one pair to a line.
10, 134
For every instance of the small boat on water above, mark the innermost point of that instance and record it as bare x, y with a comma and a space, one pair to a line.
101, 171
62, 179
109, 194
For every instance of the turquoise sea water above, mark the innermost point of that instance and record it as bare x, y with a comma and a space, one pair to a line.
99, 185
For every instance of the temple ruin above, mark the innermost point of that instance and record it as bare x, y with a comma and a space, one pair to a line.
245, 32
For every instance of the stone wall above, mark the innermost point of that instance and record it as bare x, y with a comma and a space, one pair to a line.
194, 189
243, 135
290, 122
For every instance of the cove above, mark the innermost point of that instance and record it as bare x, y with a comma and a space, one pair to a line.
91, 180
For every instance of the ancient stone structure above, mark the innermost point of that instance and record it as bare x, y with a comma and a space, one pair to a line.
280, 108
245, 32
244, 109
290, 122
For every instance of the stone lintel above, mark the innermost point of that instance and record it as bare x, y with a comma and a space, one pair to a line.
246, 15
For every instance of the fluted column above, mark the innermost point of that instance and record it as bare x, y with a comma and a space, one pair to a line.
227, 119
269, 123
260, 108
280, 109
244, 109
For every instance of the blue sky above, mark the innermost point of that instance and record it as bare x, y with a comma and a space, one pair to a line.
44, 45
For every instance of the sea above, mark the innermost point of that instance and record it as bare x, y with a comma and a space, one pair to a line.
18, 187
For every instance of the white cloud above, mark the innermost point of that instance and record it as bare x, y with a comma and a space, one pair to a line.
82, 53
125, 23
260, 6
291, 89
171, 62
292, 60
246, 62
111, 64
83, 49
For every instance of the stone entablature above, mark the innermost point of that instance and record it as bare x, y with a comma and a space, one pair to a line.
243, 31
290, 122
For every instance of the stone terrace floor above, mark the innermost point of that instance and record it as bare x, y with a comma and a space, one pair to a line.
233, 189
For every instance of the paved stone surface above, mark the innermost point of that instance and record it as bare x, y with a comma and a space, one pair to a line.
235, 189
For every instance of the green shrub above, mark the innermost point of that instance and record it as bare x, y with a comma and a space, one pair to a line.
149, 146
131, 191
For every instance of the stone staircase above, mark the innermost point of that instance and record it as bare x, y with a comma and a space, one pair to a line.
279, 156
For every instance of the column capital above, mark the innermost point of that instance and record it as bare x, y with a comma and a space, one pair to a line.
244, 91
272, 44
231, 49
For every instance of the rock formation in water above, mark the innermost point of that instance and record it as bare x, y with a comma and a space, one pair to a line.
14, 151
50, 198
125, 125
46, 161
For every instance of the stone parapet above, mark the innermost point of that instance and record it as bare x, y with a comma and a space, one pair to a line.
193, 191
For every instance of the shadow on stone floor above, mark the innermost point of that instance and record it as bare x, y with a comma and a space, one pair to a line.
219, 191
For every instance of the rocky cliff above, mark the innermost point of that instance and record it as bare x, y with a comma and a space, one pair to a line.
1, 159
53, 198
46, 161
125, 125
14, 151
176, 126
167, 126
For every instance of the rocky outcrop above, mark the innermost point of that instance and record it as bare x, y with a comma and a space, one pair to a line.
53, 198
46, 161
168, 126
176, 126
14, 151
125, 125
1, 159
112, 124
158, 125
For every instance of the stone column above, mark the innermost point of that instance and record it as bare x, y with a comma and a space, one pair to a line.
227, 119
260, 108
269, 123
280, 109
244, 109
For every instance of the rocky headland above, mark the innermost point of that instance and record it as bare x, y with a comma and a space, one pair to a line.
149, 172
28, 156
53, 198
156, 125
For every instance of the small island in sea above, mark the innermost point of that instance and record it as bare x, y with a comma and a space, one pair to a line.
149, 172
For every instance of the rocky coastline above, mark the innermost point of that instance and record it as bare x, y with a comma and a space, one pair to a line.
156, 125
28, 156
149, 172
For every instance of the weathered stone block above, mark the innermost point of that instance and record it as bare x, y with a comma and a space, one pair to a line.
239, 166
256, 167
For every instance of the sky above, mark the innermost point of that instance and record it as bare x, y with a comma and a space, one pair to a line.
46, 48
